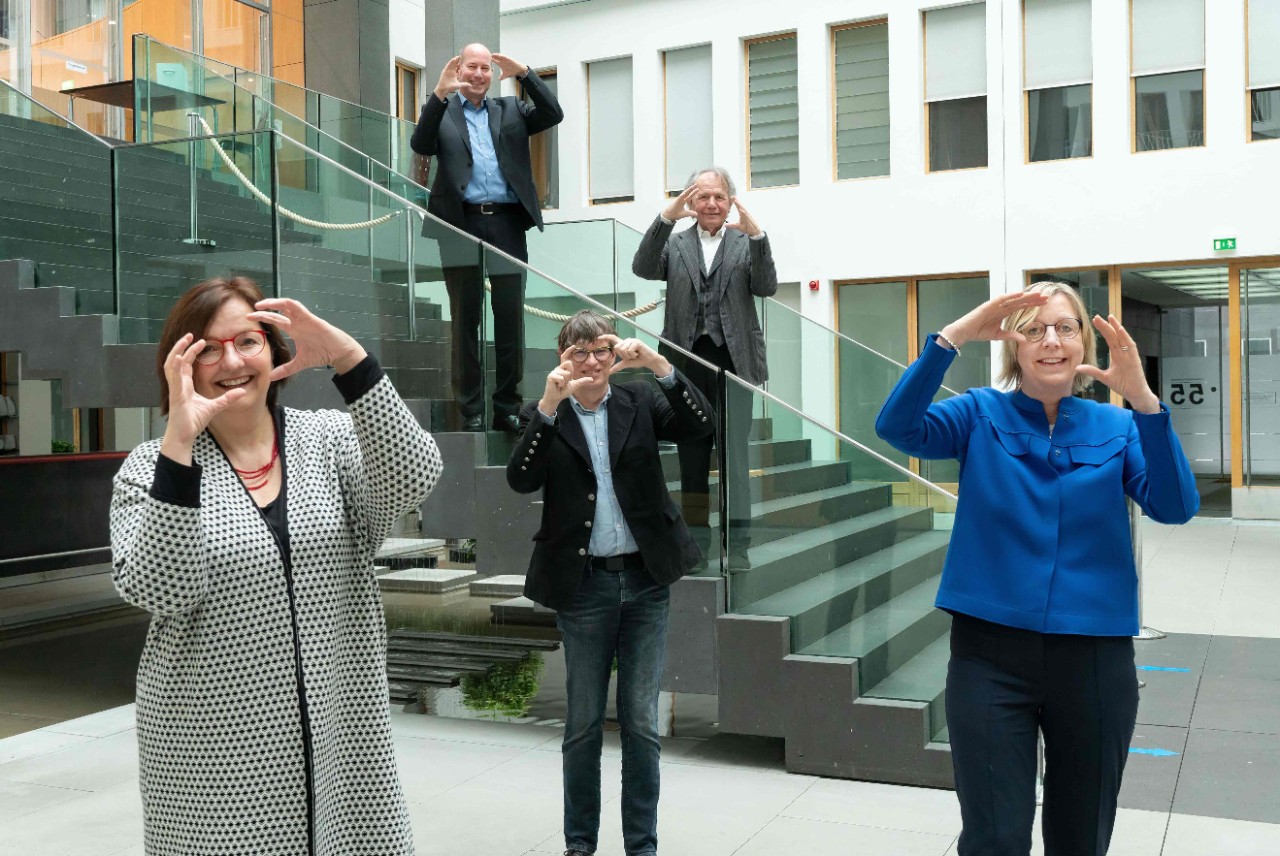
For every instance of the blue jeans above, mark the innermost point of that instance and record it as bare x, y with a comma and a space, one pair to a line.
622, 614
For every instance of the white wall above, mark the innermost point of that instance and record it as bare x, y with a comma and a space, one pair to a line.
407, 37
1116, 207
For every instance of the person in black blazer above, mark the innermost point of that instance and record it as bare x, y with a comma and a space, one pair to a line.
611, 543
484, 186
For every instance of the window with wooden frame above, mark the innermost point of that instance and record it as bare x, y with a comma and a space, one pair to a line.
894, 317
1264, 69
860, 103
1057, 58
610, 131
1168, 74
955, 87
406, 92
687, 109
773, 112
544, 151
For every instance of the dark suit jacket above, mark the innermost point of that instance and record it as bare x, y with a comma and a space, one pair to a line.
555, 459
511, 122
750, 273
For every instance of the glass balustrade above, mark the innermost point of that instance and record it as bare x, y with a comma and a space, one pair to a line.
55, 200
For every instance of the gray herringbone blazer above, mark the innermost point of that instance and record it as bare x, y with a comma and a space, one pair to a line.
746, 271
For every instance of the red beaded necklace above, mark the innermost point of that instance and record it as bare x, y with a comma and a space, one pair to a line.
262, 474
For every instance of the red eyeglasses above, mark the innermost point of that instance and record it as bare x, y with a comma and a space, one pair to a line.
247, 344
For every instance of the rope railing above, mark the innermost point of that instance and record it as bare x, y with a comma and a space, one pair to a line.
369, 224
292, 215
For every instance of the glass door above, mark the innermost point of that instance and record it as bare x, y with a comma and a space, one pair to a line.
1260, 376
1180, 319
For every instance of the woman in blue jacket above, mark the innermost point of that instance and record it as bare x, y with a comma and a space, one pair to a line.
1039, 576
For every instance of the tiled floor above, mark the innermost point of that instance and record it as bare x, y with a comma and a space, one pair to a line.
493, 788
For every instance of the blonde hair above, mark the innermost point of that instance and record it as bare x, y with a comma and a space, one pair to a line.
1010, 374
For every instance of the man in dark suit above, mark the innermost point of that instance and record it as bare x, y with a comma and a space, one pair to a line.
714, 272
611, 543
484, 186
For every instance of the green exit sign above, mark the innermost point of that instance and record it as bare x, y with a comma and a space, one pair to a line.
1220, 244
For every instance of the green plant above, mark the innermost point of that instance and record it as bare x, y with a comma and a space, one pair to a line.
506, 689
60, 446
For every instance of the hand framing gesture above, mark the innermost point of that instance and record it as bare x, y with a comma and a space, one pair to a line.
449, 82
983, 323
678, 208
561, 383
189, 411
316, 341
508, 66
633, 353
746, 223
1124, 375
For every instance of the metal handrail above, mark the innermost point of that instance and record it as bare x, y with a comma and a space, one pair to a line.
55, 114
780, 305
202, 61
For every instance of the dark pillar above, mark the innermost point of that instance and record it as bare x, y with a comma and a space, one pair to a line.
348, 50
453, 24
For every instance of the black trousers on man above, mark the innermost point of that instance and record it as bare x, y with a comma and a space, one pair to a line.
504, 228
695, 456
1004, 685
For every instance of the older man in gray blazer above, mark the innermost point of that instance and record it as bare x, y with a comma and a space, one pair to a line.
714, 271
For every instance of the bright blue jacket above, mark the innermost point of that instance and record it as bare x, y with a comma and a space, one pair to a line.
1041, 538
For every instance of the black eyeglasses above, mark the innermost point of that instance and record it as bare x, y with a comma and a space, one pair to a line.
247, 344
579, 355
1067, 328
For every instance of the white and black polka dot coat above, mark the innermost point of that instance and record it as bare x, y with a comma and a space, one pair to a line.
224, 733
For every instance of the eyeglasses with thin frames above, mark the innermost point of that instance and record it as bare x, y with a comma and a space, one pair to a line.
579, 355
1067, 328
247, 344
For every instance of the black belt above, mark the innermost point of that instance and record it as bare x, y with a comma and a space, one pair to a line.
625, 562
489, 207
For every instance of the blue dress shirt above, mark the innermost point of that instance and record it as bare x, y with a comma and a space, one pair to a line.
1041, 538
487, 183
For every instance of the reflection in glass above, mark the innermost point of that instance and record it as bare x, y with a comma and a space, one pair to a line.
940, 302
544, 153
1265, 114
1060, 122
958, 134
1170, 110
1260, 328
874, 314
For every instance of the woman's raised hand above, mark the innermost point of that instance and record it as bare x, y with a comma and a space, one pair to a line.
316, 341
189, 411
983, 323
1124, 375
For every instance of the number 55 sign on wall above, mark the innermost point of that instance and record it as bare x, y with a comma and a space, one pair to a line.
1190, 392
1193, 391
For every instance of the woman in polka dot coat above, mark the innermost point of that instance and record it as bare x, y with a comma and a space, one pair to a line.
249, 533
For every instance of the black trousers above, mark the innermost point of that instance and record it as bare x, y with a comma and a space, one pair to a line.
504, 229
1004, 685
695, 455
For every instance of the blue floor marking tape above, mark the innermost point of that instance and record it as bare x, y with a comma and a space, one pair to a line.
1162, 669
1159, 753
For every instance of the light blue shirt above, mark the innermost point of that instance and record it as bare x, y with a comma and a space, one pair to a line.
610, 535
487, 183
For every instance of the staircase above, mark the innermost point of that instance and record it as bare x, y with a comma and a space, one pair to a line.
829, 640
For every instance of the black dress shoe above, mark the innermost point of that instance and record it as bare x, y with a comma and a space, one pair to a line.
473, 423
509, 423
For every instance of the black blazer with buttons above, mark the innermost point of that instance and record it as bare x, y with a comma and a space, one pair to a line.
555, 459
511, 123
